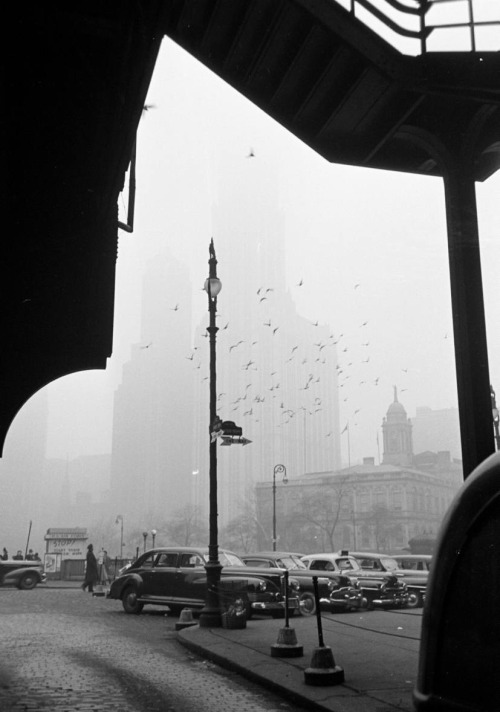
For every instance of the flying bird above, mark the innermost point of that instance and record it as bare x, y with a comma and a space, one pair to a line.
175, 308
300, 283
251, 153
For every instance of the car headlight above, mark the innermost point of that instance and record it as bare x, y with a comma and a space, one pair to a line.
262, 586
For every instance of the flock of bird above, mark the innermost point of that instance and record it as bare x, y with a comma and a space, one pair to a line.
269, 380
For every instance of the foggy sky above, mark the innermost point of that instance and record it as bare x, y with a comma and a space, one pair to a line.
370, 248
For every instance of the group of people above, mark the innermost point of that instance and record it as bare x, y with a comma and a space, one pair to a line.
96, 569
30, 556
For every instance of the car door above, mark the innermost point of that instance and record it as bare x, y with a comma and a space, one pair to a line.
190, 580
163, 574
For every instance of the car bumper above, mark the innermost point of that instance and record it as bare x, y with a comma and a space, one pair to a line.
344, 600
393, 602
293, 605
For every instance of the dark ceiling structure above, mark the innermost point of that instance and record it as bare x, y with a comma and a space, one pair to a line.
76, 87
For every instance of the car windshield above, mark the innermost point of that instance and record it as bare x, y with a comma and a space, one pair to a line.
290, 562
227, 558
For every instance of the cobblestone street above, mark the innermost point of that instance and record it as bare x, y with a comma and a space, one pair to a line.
65, 650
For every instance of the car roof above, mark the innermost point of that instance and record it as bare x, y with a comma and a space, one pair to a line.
329, 555
413, 557
270, 554
370, 555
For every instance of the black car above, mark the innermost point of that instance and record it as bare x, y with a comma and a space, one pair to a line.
336, 591
176, 577
380, 589
23, 574
414, 578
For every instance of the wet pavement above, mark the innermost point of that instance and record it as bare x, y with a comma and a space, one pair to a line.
376, 650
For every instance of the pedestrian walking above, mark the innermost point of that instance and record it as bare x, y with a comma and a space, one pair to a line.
5, 554
91, 571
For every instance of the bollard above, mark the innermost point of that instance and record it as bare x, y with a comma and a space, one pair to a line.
323, 670
286, 646
185, 619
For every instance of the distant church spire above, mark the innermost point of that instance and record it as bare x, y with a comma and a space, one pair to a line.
397, 432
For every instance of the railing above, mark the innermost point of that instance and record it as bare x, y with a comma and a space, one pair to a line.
458, 25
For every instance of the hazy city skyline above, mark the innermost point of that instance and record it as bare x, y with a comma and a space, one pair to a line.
368, 249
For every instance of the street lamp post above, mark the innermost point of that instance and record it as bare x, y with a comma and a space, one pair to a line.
278, 469
119, 518
211, 614
153, 536
145, 535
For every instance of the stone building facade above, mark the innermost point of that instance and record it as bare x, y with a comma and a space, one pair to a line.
367, 506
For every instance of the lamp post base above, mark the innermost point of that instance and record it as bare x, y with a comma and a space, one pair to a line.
211, 613
210, 618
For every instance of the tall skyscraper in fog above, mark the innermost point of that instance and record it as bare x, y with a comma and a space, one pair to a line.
152, 424
276, 371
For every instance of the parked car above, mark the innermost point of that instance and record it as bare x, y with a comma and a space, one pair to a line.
176, 577
413, 562
23, 574
380, 589
416, 568
416, 581
336, 591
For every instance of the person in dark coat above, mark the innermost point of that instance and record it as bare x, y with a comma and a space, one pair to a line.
91, 571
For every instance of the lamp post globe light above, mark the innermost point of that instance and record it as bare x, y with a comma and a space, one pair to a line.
145, 535
278, 470
153, 536
211, 614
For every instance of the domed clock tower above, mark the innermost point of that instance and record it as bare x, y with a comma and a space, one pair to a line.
397, 432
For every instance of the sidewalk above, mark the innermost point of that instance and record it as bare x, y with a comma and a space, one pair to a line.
379, 668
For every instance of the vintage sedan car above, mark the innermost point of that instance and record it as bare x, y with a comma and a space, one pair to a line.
176, 577
379, 589
336, 591
416, 580
416, 569
413, 562
23, 574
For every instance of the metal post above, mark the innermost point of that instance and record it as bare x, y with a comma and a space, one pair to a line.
211, 614
145, 535
277, 469
469, 326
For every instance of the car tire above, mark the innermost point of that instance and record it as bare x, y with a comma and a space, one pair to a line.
129, 601
27, 582
414, 600
307, 604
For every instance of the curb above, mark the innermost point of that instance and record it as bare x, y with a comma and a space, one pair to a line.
246, 672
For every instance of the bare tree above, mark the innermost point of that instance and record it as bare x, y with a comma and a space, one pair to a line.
186, 527
317, 513
240, 534
383, 525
